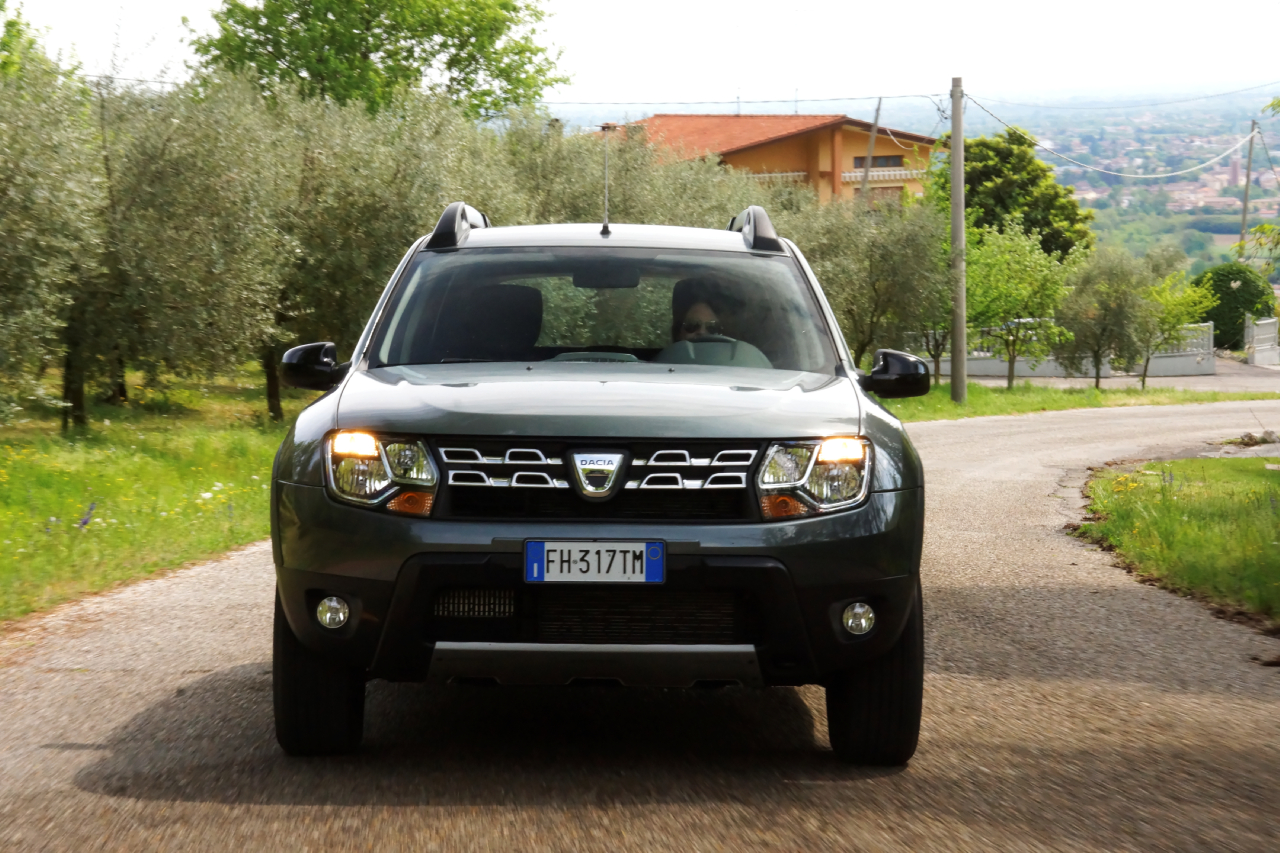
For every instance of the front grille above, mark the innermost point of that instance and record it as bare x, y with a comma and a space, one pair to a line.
475, 603
676, 481
583, 615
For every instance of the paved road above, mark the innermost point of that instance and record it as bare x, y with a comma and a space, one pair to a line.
1066, 708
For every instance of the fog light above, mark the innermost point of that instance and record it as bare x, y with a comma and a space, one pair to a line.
859, 618
333, 612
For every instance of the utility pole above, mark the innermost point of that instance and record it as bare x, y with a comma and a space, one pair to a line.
959, 344
871, 147
1248, 176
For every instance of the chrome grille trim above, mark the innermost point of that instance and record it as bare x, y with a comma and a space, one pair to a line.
734, 457
469, 478
459, 454
533, 480
536, 457
670, 457
663, 481
726, 480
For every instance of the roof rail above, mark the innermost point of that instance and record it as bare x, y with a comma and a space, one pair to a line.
455, 225
757, 230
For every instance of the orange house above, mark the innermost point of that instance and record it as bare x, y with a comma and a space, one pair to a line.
801, 147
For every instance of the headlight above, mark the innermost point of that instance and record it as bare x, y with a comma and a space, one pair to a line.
800, 478
366, 469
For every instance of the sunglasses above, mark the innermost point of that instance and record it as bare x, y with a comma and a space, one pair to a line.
708, 327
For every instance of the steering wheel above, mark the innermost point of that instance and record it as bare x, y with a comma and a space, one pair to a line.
711, 339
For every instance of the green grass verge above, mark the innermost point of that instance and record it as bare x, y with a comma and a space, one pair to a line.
1025, 398
178, 475
1210, 527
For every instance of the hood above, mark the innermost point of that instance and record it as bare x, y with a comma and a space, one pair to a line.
599, 400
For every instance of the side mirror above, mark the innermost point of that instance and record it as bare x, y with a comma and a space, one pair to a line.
896, 374
312, 366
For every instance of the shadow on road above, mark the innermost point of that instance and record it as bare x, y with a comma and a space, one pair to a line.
214, 742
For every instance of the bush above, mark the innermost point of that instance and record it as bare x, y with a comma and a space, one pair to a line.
1240, 290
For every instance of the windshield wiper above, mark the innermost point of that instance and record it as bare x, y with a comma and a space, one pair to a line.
464, 360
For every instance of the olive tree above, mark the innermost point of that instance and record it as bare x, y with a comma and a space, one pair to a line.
1014, 288
1101, 312
1168, 307
363, 188
874, 264
50, 193
191, 187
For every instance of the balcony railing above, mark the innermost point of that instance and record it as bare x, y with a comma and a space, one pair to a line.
880, 176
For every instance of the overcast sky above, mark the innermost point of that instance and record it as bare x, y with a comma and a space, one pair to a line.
688, 50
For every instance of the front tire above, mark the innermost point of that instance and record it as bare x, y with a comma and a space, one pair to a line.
873, 711
319, 702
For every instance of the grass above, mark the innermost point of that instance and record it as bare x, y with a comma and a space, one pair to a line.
1208, 527
180, 474
1025, 398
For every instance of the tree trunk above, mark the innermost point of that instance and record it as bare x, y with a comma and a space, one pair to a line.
119, 393
73, 411
937, 369
1146, 365
1097, 373
272, 371
73, 369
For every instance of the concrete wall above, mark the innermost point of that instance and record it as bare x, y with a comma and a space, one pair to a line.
1260, 340
1194, 357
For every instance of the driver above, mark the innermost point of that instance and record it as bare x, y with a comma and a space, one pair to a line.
696, 309
699, 320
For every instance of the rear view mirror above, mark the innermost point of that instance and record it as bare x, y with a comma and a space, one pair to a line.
607, 276
312, 366
896, 374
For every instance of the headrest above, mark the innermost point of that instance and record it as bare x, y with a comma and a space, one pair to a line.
500, 322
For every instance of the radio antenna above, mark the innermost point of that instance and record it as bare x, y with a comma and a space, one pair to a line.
606, 127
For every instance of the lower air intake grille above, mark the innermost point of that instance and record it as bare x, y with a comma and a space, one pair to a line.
475, 603
639, 616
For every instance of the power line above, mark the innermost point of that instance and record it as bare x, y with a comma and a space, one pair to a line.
1136, 106
130, 79
1034, 142
729, 101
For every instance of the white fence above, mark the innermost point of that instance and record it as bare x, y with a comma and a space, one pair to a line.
1260, 343
1193, 357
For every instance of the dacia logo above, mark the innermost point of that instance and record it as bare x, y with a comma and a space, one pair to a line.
595, 473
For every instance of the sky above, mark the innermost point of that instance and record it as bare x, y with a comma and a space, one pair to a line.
666, 51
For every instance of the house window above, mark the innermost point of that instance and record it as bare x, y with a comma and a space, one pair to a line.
891, 161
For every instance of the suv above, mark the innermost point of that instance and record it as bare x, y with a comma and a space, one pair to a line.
638, 454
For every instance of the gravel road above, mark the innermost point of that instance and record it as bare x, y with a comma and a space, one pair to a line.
1066, 708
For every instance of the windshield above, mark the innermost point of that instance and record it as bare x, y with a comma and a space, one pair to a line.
604, 305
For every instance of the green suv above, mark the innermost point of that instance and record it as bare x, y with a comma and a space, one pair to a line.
639, 454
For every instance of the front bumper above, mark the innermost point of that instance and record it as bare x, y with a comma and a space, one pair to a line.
780, 587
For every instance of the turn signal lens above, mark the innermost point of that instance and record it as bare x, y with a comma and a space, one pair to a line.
359, 444
841, 450
412, 503
783, 506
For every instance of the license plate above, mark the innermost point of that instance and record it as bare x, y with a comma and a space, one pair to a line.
594, 562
